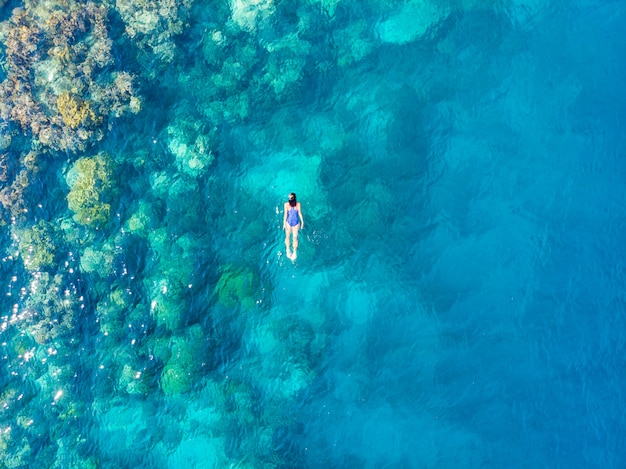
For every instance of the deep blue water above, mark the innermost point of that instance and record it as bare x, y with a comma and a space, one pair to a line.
458, 298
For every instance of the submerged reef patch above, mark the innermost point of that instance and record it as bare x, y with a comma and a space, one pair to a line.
152, 25
36, 245
76, 111
91, 190
185, 361
236, 287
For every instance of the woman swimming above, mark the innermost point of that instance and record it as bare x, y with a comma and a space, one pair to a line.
292, 222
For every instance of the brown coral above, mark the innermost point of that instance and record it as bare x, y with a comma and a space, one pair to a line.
76, 111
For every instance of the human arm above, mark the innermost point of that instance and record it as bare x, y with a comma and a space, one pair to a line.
301, 216
285, 215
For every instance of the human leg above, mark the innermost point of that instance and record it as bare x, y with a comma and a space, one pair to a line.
294, 230
287, 234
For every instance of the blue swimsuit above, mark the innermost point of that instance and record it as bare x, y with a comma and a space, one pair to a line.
292, 216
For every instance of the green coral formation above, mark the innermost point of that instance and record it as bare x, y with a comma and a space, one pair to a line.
191, 147
185, 362
90, 182
133, 381
167, 306
98, 259
172, 279
37, 245
142, 220
111, 314
236, 287
175, 379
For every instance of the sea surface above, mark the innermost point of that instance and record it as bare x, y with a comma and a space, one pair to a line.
459, 295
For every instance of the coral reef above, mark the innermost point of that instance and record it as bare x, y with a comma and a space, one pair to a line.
76, 111
12, 194
51, 307
248, 13
58, 85
412, 21
167, 306
111, 314
354, 43
185, 362
133, 381
91, 190
190, 145
171, 280
153, 24
236, 287
134, 291
286, 62
287, 352
37, 245
5, 137
142, 220
164, 287
98, 259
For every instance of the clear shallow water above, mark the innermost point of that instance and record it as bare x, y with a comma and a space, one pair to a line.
458, 295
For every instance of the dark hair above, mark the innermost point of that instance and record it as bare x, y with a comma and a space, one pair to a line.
292, 199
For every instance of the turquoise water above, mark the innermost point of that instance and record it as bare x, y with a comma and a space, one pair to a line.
458, 296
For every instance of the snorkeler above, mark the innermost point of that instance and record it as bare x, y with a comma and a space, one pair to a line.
292, 222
